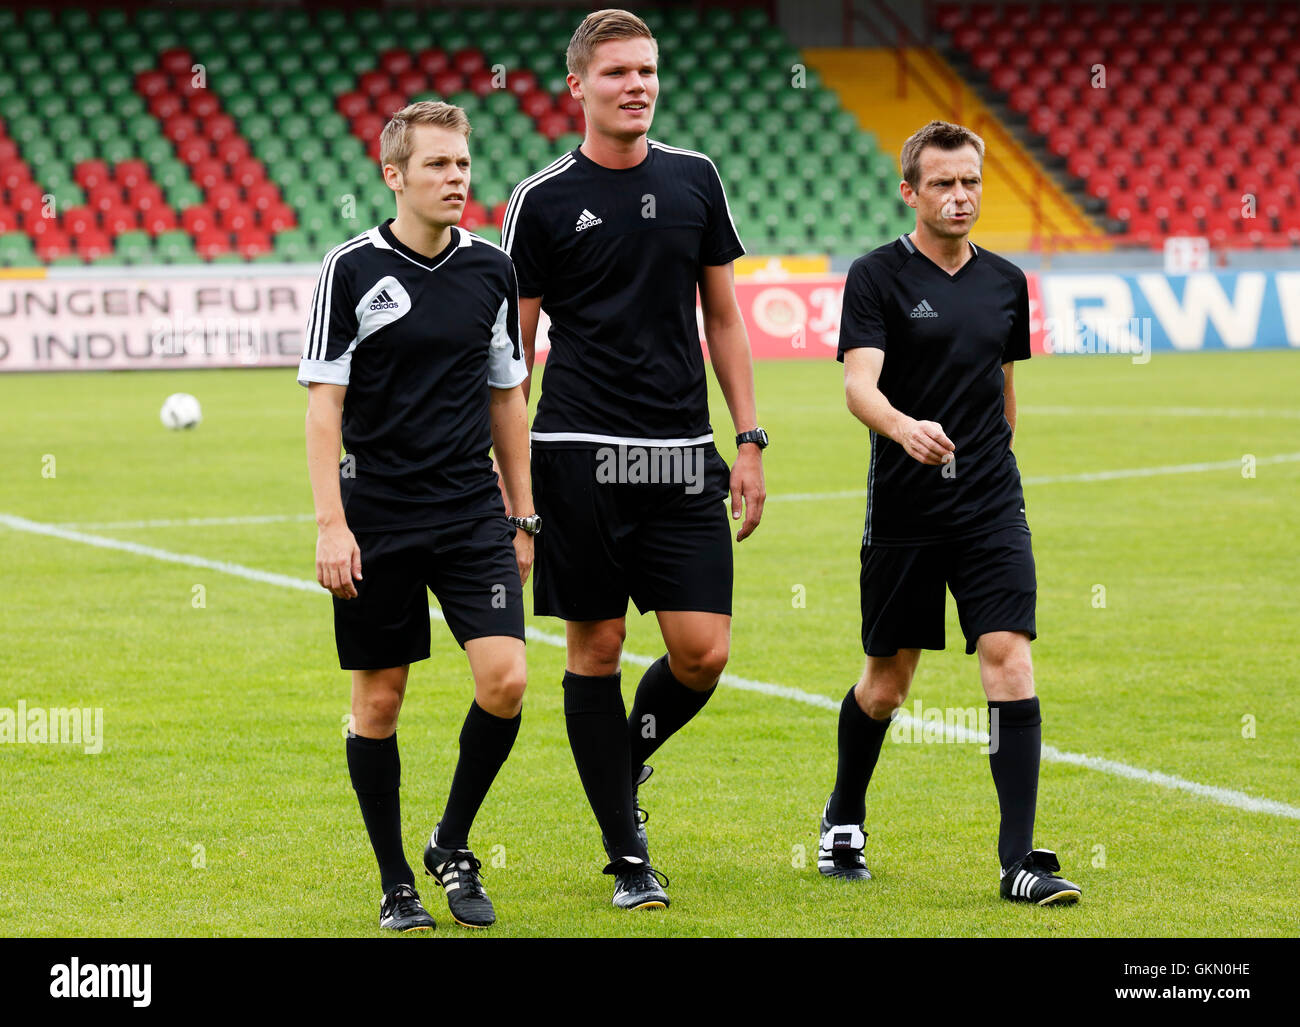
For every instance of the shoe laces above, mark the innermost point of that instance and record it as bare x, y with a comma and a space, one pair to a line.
468, 866
636, 874
403, 901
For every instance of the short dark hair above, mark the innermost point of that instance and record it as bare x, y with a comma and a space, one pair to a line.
943, 134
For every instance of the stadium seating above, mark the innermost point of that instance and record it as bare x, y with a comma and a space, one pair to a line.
183, 135
1199, 113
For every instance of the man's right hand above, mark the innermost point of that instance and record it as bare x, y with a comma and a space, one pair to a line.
338, 560
925, 441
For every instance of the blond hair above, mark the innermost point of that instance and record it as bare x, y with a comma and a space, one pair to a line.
942, 134
395, 142
600, 27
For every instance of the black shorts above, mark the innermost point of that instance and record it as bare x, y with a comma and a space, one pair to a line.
469, 565
666, 545
991, 577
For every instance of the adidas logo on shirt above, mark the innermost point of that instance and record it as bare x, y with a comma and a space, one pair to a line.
383, 301
586, 220
923, 309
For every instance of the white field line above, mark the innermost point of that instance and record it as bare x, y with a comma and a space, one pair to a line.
1085, 476
184, 522
1223, 796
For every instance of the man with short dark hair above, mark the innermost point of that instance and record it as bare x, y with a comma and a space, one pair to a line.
413, 361
613, 239
930, 331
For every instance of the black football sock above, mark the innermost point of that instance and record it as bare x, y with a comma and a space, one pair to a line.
485, 742
860, 738
376, 772
597, 725
1018, 734
662, 707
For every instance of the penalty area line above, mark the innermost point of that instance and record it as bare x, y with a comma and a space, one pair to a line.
1222, 796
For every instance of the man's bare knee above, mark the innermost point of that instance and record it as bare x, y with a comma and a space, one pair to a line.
699, 665
885, 683
595, 647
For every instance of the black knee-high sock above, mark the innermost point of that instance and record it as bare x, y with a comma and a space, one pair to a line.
860, 738
485, 742
597, 725
1019, 738
663, 706
376, 772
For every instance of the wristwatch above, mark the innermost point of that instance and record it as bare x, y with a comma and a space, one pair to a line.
758, 437
532, 524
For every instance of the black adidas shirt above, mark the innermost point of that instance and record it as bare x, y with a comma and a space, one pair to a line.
945, 339
616, 256
418, 341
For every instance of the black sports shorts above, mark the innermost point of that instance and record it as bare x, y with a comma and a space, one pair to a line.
991, 577
469, 565
609, 535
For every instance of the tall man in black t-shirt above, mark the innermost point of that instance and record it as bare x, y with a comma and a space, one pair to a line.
414, 361
612, 240
930, 329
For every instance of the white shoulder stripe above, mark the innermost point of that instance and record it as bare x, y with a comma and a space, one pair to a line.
318, 323
522, 190
704, 156
510, 205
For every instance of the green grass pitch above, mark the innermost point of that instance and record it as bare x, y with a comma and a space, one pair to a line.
220, 804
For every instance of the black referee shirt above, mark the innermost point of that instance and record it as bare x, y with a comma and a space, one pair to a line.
945, 339
418, 341
616, 256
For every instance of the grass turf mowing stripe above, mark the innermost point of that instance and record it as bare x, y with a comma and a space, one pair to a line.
1222, 796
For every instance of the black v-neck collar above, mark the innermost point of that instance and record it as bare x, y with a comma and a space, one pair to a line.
912, 248
426, 262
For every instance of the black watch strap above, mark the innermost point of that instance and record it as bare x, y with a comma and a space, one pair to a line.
758, 436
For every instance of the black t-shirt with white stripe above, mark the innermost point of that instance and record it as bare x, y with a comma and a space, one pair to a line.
418, 341
945, 339
616, 256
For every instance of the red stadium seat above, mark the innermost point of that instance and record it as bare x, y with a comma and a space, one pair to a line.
160, 219
482, 82
389, 103
432, 61
180, 128
350, 105
396, 62
208, 173
468, 61
252, 242
223, 196
198, 219
203, 105
375, 83
119, 220
165, 105
219, 127
411, 82
445, 83
212, 243
277, 217
93, 244
233, 150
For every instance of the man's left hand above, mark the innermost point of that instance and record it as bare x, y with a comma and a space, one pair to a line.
523, 554
747, 483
